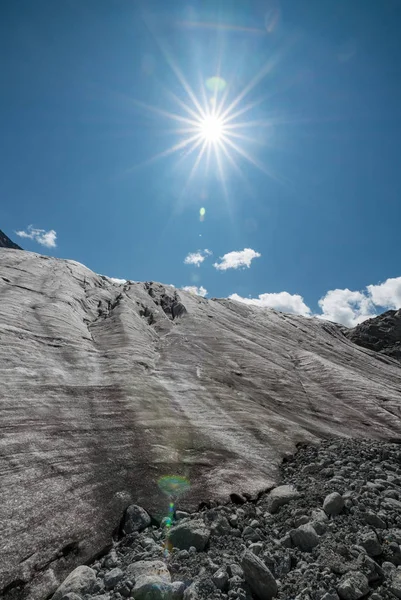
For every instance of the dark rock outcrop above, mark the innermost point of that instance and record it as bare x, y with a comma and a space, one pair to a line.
108, 388
381, 334
5, 242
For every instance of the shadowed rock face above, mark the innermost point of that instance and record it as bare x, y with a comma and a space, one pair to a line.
5, 242
105, 388
382, 334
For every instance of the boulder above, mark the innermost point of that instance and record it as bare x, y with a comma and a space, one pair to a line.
80, 581
258, 576
152, 568
136, 519
189, 533
177, 590
374, 520
333, 504
304, 537
371, 544
283, 494
220, 579
395, 585
112, 577
353, 586
151, 587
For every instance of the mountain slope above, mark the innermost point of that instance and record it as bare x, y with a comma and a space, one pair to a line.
382, 334
106, 388
5, 242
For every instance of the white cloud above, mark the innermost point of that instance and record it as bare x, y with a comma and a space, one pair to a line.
196, 258
346, 307
342, 306
283, 301
117, 280
45, 238
387, 294
193, 289
237, 259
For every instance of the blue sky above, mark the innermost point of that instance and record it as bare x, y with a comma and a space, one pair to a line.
312, 205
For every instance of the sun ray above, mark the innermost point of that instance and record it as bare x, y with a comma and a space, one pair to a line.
221, 171
195, 166
250, 158
167, 152
165, 113
246, 138
244, 110
182, 80
258, 77
187, 108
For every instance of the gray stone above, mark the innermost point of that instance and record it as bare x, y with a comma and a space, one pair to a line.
112, 578
391, 504
191, 592
353, 586
395, 584
71, 596
330, 596
302, 520
221, 526
151, 587
256, 548
333, 504
136, 519
177, 590
258, 576
286, 541
281, 495
319, 526
220, 579
235, 570
374, 520
189, 533
80, 581
388, 568
304, 537
181, 514
152, 568
319, 515
111, 560
250, 535
371, 544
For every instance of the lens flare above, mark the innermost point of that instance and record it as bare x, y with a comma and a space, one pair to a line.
215, 84
173, 485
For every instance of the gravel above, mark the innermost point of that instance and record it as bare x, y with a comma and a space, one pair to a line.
330, 531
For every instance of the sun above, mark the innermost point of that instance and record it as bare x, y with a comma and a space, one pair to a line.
211, 128
214, 126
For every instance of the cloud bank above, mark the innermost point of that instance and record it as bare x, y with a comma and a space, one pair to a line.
41, 236
237, 259
290, 303
198, 291
342, 306
197, 258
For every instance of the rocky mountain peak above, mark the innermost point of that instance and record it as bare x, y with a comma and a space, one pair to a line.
5, 242
381, 334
